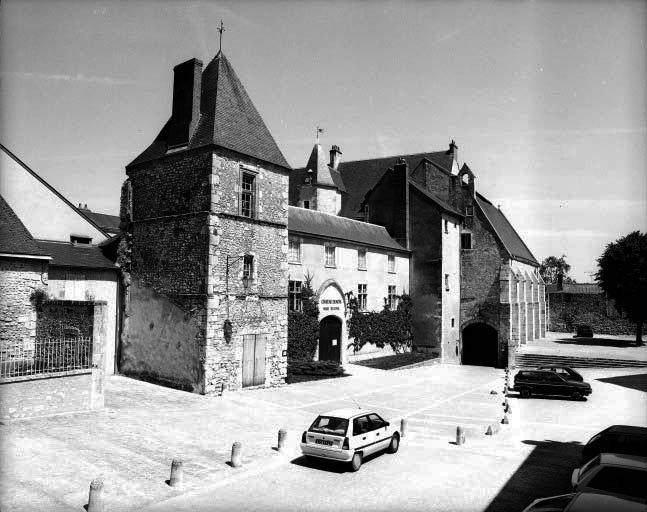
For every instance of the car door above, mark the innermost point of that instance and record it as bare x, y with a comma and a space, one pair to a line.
381, 436
362, 435
553, 384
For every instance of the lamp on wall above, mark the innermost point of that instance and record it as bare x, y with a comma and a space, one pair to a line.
227, 330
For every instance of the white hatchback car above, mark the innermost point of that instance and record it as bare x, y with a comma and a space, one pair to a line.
349, 435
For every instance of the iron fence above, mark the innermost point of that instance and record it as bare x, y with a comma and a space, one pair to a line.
49, 356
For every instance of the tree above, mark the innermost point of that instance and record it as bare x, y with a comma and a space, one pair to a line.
552, 267
622, 275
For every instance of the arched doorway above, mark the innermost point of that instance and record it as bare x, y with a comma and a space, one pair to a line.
330, 339
480, 345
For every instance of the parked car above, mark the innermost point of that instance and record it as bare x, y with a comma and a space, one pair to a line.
586, 502
626, 439
349, 435
612, 473
565, 371
544, 382
583, 331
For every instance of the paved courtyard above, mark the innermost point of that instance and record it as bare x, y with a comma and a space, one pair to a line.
47, 464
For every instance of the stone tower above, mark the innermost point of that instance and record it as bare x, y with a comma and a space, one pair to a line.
205, 245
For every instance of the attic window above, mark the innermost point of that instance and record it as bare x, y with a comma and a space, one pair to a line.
465, 179
80, 240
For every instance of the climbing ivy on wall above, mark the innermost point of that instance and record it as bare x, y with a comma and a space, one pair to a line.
303, 326
379, 328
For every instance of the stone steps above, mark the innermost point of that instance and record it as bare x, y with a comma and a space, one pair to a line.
533, 360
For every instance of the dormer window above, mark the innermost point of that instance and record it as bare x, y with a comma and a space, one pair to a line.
469, 211
80, 239
465, 179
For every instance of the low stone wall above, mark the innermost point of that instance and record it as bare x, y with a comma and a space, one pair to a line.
567, 310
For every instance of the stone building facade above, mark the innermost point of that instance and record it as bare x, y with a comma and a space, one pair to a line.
205, 214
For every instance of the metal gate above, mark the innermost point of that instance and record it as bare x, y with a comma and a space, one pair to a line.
253, 360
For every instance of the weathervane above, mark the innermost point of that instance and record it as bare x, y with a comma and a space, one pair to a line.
319, 130
221, 30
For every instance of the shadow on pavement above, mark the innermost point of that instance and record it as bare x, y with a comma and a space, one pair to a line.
545, 472
329, 465
514, 394
596, 342
638, 382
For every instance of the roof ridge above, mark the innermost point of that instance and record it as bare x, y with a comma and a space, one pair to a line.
407, 155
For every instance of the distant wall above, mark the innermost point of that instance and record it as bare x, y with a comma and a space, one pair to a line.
567, 310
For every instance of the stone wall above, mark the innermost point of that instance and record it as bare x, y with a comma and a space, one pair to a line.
18, 280
567, 310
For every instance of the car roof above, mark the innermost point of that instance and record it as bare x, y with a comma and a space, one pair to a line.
626, 429
544, 366
598, 502
347, 412
617, 459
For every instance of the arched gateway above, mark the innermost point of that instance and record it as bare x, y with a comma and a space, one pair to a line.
330, 339
480, 345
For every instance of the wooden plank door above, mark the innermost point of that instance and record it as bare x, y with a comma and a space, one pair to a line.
249, 345
259, 360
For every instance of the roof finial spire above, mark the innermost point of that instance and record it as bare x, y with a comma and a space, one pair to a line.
221, 30
319, 130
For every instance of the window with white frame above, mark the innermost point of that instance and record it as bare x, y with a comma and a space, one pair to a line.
466, 241
361, 259
391, 264
248, 266
362, 297
294, 251
392, 298
294, 295
330, 256
248, 194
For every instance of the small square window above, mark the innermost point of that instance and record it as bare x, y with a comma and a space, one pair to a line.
391, 264
469, 211
306, 205
361, 259
330, 256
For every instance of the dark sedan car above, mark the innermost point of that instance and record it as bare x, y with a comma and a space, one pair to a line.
625, 439
565, 371
544, 382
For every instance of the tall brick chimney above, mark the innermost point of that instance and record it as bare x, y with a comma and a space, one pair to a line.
186, 102
335, 156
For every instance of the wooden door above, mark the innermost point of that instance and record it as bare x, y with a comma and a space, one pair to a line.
330, 339
253, 360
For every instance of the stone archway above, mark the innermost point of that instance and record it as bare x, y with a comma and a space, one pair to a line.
480, 345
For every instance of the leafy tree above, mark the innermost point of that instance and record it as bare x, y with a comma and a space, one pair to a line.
622, 274
303, 326
552, 267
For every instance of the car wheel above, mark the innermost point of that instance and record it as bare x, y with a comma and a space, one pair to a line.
525, 393
394, 444
577, 395
356, 462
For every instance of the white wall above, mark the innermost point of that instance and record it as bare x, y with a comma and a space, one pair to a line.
44, 214
451, 300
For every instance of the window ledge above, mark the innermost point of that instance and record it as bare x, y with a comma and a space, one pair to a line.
362, 269
330, 266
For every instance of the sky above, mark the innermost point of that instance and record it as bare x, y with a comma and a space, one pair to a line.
547, 100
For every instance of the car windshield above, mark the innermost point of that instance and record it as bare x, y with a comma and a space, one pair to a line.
589, 465
330, 425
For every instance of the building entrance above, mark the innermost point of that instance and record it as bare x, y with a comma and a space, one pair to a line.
330, 339
480, 345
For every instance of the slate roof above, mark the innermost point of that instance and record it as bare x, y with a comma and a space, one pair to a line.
14, 236
323, 173
439, 202
361, 176
65, 254
228, 118
109, 223
325, 225
505, 232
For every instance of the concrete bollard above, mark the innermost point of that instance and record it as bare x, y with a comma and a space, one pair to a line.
236, 458
505, 420
507, 408
493, 392
489, 431
280, 445
95, 499
403, 427
177, 473
460, 436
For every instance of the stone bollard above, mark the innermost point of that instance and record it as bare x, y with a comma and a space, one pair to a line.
493, 392
280, 445
236, 458
177, 473
505, 420
489, 431
460, 436
95, 499
403, 427
507, 409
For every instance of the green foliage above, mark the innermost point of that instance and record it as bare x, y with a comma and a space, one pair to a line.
303, 326
622, 274
381, 327
329, 368
38, 298
552, 267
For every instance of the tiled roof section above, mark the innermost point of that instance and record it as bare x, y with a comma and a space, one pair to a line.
228, 118
506, 233
439, 202
361, 176
323, 174
109, 223
69, 255
14, 236
325, 225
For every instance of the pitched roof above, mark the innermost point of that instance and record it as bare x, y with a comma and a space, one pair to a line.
228, 118
14, 236
439, 202
323, 173
109, 223
506, 233
65, 254
361, 176
325, 225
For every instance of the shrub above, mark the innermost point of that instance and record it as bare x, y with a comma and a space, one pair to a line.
329, 368
303, 326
